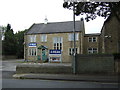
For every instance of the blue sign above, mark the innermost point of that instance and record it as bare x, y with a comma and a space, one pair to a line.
55, 52
32, 44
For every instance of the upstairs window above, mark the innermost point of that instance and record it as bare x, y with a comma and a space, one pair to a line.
57, 43
90, 39
71, 36
94, 39
44, 38
32, 38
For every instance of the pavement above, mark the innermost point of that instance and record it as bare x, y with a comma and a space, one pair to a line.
69, 77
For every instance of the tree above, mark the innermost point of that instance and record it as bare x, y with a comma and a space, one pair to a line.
94, 9
9, 43
2, 30
20, 46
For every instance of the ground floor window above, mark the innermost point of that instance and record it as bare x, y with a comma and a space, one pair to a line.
71, 51
92, 50
32, 51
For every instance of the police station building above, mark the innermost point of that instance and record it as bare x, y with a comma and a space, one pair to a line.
53, 41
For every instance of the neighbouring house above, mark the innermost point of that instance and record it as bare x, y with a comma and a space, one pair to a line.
91, 43
110, 36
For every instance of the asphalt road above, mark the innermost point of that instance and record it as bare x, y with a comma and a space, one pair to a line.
9, 82
16, 83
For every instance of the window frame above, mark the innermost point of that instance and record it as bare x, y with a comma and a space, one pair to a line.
32, 51
92, 50
43, 38
71, 50
32, 38
71, 36
58, 43
92, 39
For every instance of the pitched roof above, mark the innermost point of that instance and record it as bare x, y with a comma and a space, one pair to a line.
58, 27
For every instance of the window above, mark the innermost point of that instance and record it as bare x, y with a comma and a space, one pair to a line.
57, 42
32, 51
92, 39
92, 50
43, 38
32, 38
71, 51
71, 36
95, 50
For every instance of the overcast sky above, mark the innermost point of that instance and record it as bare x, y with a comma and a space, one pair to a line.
21, 14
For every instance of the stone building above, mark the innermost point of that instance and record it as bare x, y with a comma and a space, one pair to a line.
41, 38
110, 35
91, 43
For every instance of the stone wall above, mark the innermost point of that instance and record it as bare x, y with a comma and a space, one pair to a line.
50, 69
95, 63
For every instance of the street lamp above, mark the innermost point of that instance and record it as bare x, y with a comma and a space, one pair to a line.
74, 54
65, 5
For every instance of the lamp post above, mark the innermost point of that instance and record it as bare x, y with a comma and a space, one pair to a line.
74, 53
65, 5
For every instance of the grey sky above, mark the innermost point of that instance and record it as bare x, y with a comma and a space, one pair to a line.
21, 14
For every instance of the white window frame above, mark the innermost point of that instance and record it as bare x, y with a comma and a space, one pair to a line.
32, 38
71, 51
89, 39
32, 51
92, 39
43, 38
71, 36
92, 51
58, 43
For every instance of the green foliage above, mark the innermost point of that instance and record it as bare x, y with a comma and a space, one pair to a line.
9, 43
20, 46
13, 43
94, 9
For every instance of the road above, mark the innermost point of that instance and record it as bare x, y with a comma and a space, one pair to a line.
9, 82
15, 83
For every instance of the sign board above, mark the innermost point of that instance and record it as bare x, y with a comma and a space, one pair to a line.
55, 52
32, 44
55, 56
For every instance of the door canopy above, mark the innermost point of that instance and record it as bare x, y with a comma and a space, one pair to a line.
42, 47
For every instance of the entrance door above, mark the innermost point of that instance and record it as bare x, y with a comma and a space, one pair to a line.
44, 56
